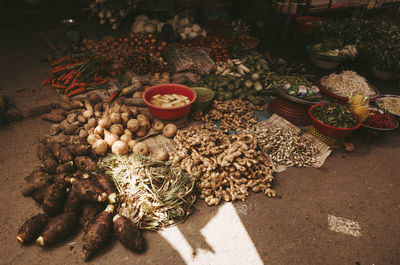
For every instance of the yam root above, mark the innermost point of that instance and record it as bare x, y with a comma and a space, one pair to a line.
38, 195
56, 116
67, 128
129, 235
35, 182
89, 191
106, 182
54, 198
50, 165
65, 168
57, 229
31, 229
90, 211
98, 232
61, 154
73, 203
44, 153
85, 163
78, 149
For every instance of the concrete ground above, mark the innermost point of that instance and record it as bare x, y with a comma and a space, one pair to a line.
347, 212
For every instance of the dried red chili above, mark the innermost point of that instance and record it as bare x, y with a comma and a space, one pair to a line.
380, 119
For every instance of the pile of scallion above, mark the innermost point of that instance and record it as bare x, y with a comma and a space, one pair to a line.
152, 194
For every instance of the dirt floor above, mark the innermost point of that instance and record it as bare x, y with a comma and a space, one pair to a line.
347, 212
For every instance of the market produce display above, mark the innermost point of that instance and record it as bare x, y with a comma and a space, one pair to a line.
115, 165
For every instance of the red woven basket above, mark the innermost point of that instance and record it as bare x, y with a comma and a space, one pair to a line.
330, 130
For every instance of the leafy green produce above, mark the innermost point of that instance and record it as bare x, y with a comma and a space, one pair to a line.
335, 115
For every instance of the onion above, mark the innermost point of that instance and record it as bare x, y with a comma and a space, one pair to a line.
93, 138
110, 138
125, 117
133, 125
120, 148
128, 132
117, 129
105, 122
132, 143
99, 130
126, 138
87, 114
83, 133
92, 123
115, 118
100, 147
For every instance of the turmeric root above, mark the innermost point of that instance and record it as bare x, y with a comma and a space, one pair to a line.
57, 229
128, 234
31, 229
98, 232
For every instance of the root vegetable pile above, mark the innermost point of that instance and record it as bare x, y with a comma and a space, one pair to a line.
286, 147
226, 166
231, 114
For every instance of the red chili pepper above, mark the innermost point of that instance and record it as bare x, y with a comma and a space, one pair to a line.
379, 120
73, 85
46, 81
58, 86
78, 74
113, 96
102, 81
77, 91
68, 80
61, 60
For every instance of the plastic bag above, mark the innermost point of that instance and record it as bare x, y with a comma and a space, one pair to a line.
195, 59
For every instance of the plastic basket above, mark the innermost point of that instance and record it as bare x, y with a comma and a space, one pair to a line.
330, 130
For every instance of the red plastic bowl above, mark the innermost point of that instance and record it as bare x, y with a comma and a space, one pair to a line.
169, 113
308, 25
330, 130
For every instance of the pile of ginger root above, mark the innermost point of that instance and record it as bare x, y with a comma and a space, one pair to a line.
226, 166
